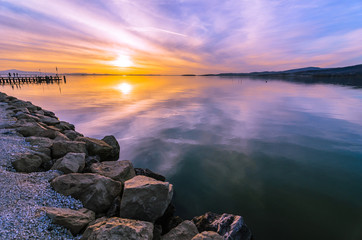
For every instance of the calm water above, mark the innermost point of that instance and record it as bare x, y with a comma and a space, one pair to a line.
286, 156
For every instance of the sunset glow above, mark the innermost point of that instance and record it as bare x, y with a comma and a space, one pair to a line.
177, 37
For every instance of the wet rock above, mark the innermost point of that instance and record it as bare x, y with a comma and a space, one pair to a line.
97, 147
148, 173
27, 162
145, 198
96, 192
60, 148
208, 235
227, 225
117, 170
74, 220
119, 228
70, 163
184, 231
112, 141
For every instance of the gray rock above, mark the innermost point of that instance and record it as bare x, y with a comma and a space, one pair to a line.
145, 198
74, 220
119, 228
112, 141
96, 192
65, 126
71, 134
148, 173
70, 163
60, 148
97, 147
208, 235
184, 231
89, 160
61, 137
49, 120
117, 170
228, 226
27, 162
40, 144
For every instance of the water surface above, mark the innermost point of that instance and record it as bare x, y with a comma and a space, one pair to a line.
287, 156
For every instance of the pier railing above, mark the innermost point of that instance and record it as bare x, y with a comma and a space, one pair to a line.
24, 79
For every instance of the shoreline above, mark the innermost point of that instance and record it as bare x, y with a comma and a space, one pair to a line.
112, 192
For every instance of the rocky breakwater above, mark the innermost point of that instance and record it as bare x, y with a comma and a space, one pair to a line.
120, 202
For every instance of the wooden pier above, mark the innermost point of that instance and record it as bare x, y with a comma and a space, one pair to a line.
31, 79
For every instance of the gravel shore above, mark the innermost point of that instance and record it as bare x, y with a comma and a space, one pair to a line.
23, 195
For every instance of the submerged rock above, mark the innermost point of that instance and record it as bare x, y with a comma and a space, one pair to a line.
96, 192
208, 235
117, 170
228, 226
119, 228
70, 163
74, 220
184, 231
145, 198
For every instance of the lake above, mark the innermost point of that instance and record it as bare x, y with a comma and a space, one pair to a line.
286, 156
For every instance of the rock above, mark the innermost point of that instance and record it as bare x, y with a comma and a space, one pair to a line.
49, 120
157, 231
112, 141
40, 144
34, 129
119, 228
168, 220
61, 137
48, 113
26, 116
74, 220
145, 198
70, 163
113, 211
65, 126
60, 148
71, 134
148, 173
117, 170
184, 231
96, 192
97, 147
27, 162
89, 160
227, 225
208, 235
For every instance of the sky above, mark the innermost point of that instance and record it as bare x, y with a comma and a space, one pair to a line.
178, 36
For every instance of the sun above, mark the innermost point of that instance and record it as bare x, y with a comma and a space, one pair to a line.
123, 61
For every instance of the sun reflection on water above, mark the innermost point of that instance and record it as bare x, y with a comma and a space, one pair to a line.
125, 88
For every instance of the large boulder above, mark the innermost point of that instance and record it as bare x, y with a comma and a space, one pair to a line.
97, 147
27, 162
74, 220
71, 134
60, 148
40, 144
184, 231
145, 198
49, 120
65, 126
96, 192
207, 235
117, 170
70, 163
228, 226
112, 141
119, 228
